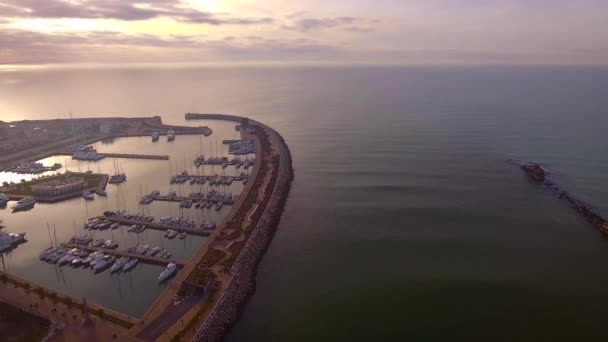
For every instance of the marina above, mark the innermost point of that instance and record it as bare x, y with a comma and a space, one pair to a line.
131, 255
157, 226
136, 155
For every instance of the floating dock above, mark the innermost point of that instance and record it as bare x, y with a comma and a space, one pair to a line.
143, 258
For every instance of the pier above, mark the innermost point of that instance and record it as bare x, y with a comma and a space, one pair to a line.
180, 199
125, 155
157, 226
143, 258
136, 156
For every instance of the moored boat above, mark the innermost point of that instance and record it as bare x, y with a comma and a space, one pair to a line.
167, 273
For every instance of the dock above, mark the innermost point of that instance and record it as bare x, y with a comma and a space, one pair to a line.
157, 226
124, 155
136, 156
143, 258
179, 199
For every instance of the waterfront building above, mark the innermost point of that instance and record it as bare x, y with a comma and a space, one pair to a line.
58, 187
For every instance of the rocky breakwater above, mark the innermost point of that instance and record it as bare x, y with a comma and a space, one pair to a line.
538, 173
276, 164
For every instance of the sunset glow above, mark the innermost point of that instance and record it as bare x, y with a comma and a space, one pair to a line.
389, 31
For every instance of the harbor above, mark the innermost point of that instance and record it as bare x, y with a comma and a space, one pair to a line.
144, 164
173, 218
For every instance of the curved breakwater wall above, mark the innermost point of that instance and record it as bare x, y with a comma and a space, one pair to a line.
244, 270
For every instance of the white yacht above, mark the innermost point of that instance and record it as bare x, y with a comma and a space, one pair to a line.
24, 204
167, 273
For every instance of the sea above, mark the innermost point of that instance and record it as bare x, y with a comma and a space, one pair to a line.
405, 220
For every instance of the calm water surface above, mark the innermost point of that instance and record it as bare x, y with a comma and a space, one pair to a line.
404, 220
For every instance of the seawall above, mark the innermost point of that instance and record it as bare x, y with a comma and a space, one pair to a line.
244, 270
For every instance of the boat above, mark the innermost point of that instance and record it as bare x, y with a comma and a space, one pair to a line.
154, 251
119, 264
101, 192
24, 204
97, 259
182, 235
170, 135
98, 242
45, 254
115, 225
103, 264
10, 240
171, 234
3, 200
167, 273
77, 262
155, 136
219, 205
130, 264
117, 178
88, 195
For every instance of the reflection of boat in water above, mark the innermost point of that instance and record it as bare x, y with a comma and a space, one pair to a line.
167, 273
24, 204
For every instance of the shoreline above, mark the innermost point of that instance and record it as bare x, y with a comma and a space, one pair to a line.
131, 127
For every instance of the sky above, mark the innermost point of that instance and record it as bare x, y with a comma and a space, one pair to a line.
468, 32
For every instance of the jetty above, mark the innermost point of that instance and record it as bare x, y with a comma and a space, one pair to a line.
123, 155
156, 225
540, 175
136, 156
143, 258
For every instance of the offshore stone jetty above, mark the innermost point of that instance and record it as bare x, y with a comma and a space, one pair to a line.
540, 174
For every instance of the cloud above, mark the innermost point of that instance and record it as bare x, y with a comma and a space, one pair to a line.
128, 10
19, 46
301, 23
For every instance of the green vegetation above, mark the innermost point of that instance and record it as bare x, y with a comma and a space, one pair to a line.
91, 180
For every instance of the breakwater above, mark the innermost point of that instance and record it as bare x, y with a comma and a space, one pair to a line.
264, 223
586, 210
